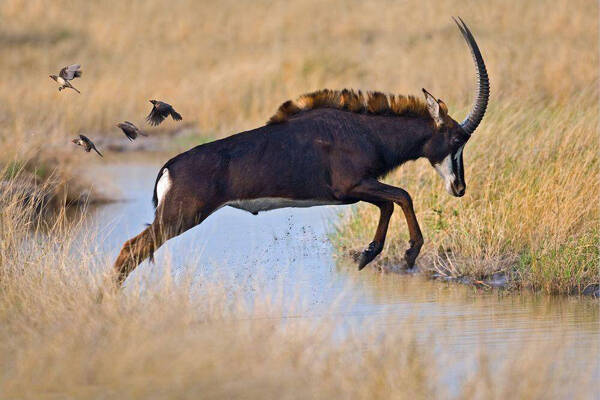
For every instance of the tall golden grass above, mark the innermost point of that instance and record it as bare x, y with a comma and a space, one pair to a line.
173, 339
226, 66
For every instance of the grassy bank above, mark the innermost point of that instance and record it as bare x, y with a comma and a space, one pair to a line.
176, 339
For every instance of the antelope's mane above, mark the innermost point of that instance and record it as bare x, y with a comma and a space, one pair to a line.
375, 103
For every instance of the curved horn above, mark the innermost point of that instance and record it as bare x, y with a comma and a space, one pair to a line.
483, 84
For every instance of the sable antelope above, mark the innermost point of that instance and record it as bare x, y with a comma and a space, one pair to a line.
67, 74
327, 147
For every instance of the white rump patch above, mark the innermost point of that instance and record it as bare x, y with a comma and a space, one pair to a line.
444, 168
271, 203
163, 185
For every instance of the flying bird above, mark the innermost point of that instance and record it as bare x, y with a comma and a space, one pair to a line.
86, 143
130, 130
67, 74
160, 111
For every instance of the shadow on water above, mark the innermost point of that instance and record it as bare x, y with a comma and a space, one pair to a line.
288, 253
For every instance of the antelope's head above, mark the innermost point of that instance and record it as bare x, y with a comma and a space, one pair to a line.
445, 148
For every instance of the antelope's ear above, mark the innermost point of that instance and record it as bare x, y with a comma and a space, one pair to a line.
436, 109
443, 107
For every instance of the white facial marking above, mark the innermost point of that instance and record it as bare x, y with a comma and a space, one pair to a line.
444, 168
272, 203
163, 185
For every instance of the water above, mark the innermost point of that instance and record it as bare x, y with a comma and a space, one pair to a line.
288, 252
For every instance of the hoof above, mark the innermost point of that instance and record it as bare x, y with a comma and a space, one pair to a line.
411, 255
369, 254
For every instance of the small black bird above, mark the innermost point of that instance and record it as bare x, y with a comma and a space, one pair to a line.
66, 74
86, 143
160, 111
130, 130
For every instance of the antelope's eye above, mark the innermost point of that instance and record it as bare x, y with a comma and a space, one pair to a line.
456, 140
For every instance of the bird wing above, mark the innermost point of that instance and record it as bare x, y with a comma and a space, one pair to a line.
70, 72
127, 129
87, 141
90, 145
135, 129
156, 116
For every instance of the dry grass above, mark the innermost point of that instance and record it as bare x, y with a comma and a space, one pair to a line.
227, 66
175, 339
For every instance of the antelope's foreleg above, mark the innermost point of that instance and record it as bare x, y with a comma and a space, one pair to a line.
386, 208
373, 190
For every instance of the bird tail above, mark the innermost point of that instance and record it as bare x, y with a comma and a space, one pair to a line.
74, 88
96, 150
176, 116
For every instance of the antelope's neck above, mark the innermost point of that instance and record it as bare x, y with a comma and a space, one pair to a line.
402, 139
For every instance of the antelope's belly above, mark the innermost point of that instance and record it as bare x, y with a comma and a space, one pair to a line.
271, 203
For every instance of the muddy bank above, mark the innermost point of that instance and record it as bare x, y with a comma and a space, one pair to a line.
501, 281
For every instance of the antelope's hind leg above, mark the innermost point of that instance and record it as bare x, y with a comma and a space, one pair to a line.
165, 226
386, 209
136, 250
